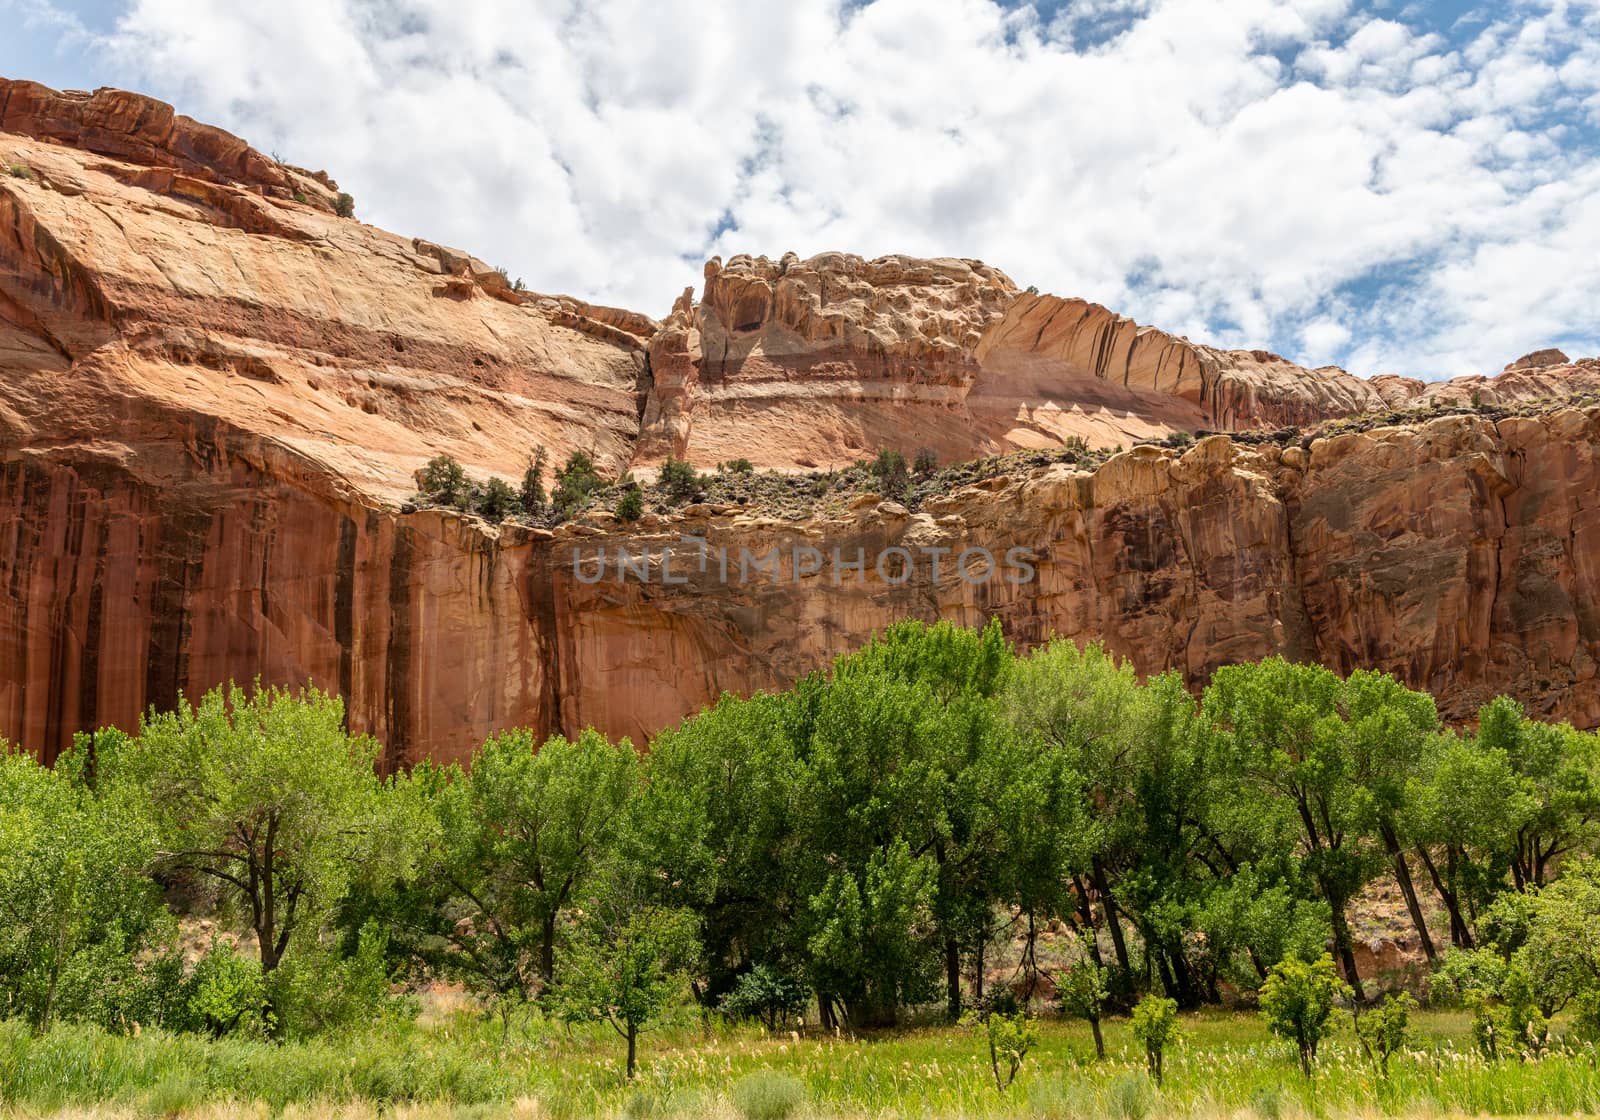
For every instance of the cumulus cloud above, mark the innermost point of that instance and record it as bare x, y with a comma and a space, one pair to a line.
1339, 183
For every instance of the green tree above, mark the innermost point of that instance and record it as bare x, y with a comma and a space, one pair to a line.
444, 481
521, 837
264, 794
1290, 738
574, 483
1389, 729
1010, 1037
1384, 1030
1091, 712
1083, 995
1155, 1025
626, 962
1560, 771
75, 906
966, 759
1298, 1000
1463, 807
531, 495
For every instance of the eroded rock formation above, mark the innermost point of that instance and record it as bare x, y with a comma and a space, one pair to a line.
215, 392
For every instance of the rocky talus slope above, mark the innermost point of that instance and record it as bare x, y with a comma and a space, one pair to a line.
215, 393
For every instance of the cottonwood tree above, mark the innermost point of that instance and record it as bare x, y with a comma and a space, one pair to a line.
1090, 710
1289, 740
520, 837
264, 794
75, 906
627, 960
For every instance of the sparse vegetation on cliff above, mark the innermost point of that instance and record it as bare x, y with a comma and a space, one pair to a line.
738, 485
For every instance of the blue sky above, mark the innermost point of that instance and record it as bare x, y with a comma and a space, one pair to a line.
1389, 186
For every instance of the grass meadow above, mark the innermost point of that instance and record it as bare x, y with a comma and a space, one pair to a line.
460, 1065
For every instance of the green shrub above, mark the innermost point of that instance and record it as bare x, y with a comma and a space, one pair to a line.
496, 500
229, 994
1385, 1030
737, 466
766, 994
1083, 993
925, 463
679, 479
575, 482
1128, 1097
1009, 1037
344, 206
17, 171
1297, 1001
630, 507
768, 1096
891, 473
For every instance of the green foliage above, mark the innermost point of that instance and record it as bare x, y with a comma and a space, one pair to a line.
1155, 1025
630, 507
1084, 995
265, 796
497, 501
574, 483
925, 463
518, 840
444, 481
626, 962
17, 171
531, 496
75, 908
737, 466
765, 994
1297, 1002
891, 473
344, 205
768, 1096
681, 481
1009, 1037
1385, 1030
228, 993
320, 991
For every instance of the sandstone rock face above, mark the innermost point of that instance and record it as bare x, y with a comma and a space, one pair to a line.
214, 397
820, 362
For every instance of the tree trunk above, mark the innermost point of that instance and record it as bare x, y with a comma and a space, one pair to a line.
1103, 887
952, 973
1344, 943
1460, 931
977, 976
1099, 1041
1402, 876
633, 1038
547, 952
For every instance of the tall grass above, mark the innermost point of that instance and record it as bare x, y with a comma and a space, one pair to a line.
458, 1066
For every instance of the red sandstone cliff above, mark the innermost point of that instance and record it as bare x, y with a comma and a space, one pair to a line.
214, 393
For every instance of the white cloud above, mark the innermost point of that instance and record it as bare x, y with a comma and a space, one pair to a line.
1252, 171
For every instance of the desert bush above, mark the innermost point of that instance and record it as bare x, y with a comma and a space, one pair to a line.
768, 1096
